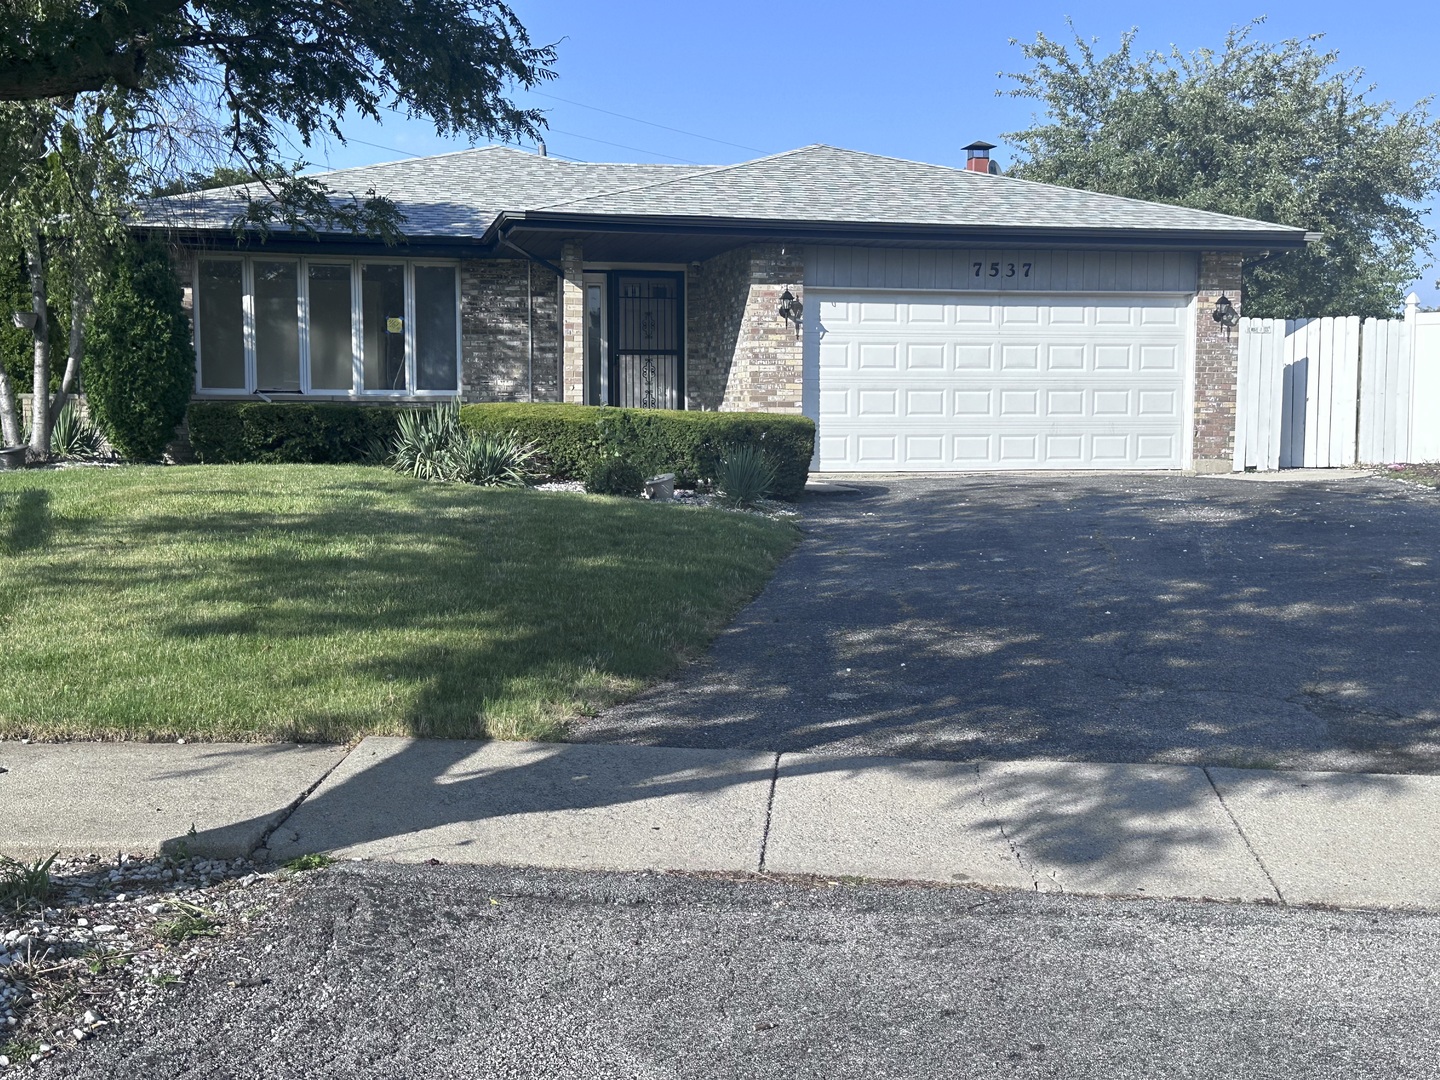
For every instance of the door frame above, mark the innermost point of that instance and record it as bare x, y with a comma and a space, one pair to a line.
612, 342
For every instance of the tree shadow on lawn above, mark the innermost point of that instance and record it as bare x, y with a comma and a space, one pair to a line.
1139, 619
432, 612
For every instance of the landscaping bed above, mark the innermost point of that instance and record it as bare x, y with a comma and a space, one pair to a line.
323, 603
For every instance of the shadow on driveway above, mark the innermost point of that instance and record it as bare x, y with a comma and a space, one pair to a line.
1126, 618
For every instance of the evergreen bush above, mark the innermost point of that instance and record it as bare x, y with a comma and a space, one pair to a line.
139, 367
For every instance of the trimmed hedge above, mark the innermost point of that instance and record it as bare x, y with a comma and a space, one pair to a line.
571, 438
320, 433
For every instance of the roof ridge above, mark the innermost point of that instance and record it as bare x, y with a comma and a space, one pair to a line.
704, 170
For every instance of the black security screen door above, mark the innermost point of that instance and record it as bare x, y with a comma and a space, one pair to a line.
648, 340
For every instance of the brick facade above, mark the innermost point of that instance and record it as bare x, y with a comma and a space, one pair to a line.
740, 355
506, 356
572, 322
1217, 358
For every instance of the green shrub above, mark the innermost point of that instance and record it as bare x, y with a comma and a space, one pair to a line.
139, 368
745, 476
570, 439
489, 460
318, 433
614, 476
430, 444
425, 442
73, 436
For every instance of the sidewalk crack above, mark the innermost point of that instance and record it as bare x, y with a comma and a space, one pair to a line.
769, 809
1243, 838
1012, 844
289, 811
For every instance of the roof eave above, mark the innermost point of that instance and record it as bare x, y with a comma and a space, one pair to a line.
1277, 239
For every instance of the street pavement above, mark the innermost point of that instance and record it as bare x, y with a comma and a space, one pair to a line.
388, 970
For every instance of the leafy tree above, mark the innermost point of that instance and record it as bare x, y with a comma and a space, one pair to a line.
139, 363
102, 101
1276, 132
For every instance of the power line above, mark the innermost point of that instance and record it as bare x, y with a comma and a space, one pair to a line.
409, 154
622, 146
650, 123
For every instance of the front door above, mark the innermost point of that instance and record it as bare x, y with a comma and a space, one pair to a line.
647, 340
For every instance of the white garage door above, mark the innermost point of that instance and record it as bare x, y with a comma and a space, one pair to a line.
930, 381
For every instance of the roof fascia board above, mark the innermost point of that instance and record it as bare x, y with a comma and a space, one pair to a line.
1197, 239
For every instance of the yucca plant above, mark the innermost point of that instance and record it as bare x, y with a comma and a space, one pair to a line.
492, 460
425, 441
744, 477
73, 436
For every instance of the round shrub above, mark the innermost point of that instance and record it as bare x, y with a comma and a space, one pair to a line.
139, 368
614, 476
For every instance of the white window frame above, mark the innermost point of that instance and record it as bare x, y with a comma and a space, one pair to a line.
357, 391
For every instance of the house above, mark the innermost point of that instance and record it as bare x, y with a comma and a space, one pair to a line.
928, 318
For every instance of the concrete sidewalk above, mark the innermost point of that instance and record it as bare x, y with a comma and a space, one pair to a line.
1155, 830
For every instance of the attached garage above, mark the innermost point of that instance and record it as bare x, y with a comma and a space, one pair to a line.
931, 381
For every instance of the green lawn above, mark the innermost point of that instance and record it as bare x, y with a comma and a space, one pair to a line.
326, 602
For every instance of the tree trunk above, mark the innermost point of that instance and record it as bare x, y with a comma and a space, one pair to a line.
40, 388
9, 411
69, 382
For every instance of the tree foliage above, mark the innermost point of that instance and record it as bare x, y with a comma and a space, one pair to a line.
139, 367
1277, 132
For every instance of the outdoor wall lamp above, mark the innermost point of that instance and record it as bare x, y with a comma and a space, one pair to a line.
791, 309
23, 320
1225, 314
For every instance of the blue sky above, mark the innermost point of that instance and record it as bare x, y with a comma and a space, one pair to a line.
911, 78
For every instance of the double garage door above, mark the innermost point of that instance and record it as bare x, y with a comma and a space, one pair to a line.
939, 381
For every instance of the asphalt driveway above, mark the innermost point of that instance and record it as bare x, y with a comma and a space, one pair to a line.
1127, 618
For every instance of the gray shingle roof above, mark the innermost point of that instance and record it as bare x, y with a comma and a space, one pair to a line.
827, 184
458, 194
461, 195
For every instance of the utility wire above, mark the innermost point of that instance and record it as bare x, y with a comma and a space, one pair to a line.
622, 146
649, 123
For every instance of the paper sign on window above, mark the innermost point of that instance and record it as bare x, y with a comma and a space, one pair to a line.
394, 326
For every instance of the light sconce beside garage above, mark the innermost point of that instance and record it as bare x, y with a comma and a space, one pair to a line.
791, 309
1225, 314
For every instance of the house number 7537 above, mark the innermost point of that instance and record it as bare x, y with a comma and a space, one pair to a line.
995, 269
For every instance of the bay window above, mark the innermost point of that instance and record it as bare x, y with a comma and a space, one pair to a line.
286, 325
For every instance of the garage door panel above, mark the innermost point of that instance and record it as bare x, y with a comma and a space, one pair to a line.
960, 383
925, 356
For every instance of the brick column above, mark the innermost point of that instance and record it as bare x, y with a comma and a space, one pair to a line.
741, 357
572, 323
1217, 358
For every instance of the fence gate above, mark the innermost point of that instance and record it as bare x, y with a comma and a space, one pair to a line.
1297, 393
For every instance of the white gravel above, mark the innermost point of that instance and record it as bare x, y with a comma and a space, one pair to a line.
96, 952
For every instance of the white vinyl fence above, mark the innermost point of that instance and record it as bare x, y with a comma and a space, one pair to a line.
1326, 393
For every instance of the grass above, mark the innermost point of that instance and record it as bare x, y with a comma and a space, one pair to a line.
24, 885
191, 921
309, 862
322, 603
1419, 474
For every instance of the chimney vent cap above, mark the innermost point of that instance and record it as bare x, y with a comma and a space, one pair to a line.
980, 146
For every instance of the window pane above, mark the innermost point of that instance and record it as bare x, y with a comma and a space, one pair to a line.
435, 358
330, 347
277, 326
595, 373
383, 326
222, 325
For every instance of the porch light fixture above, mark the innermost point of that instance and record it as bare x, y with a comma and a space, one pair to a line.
791, 309
1225, 314
23, 320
